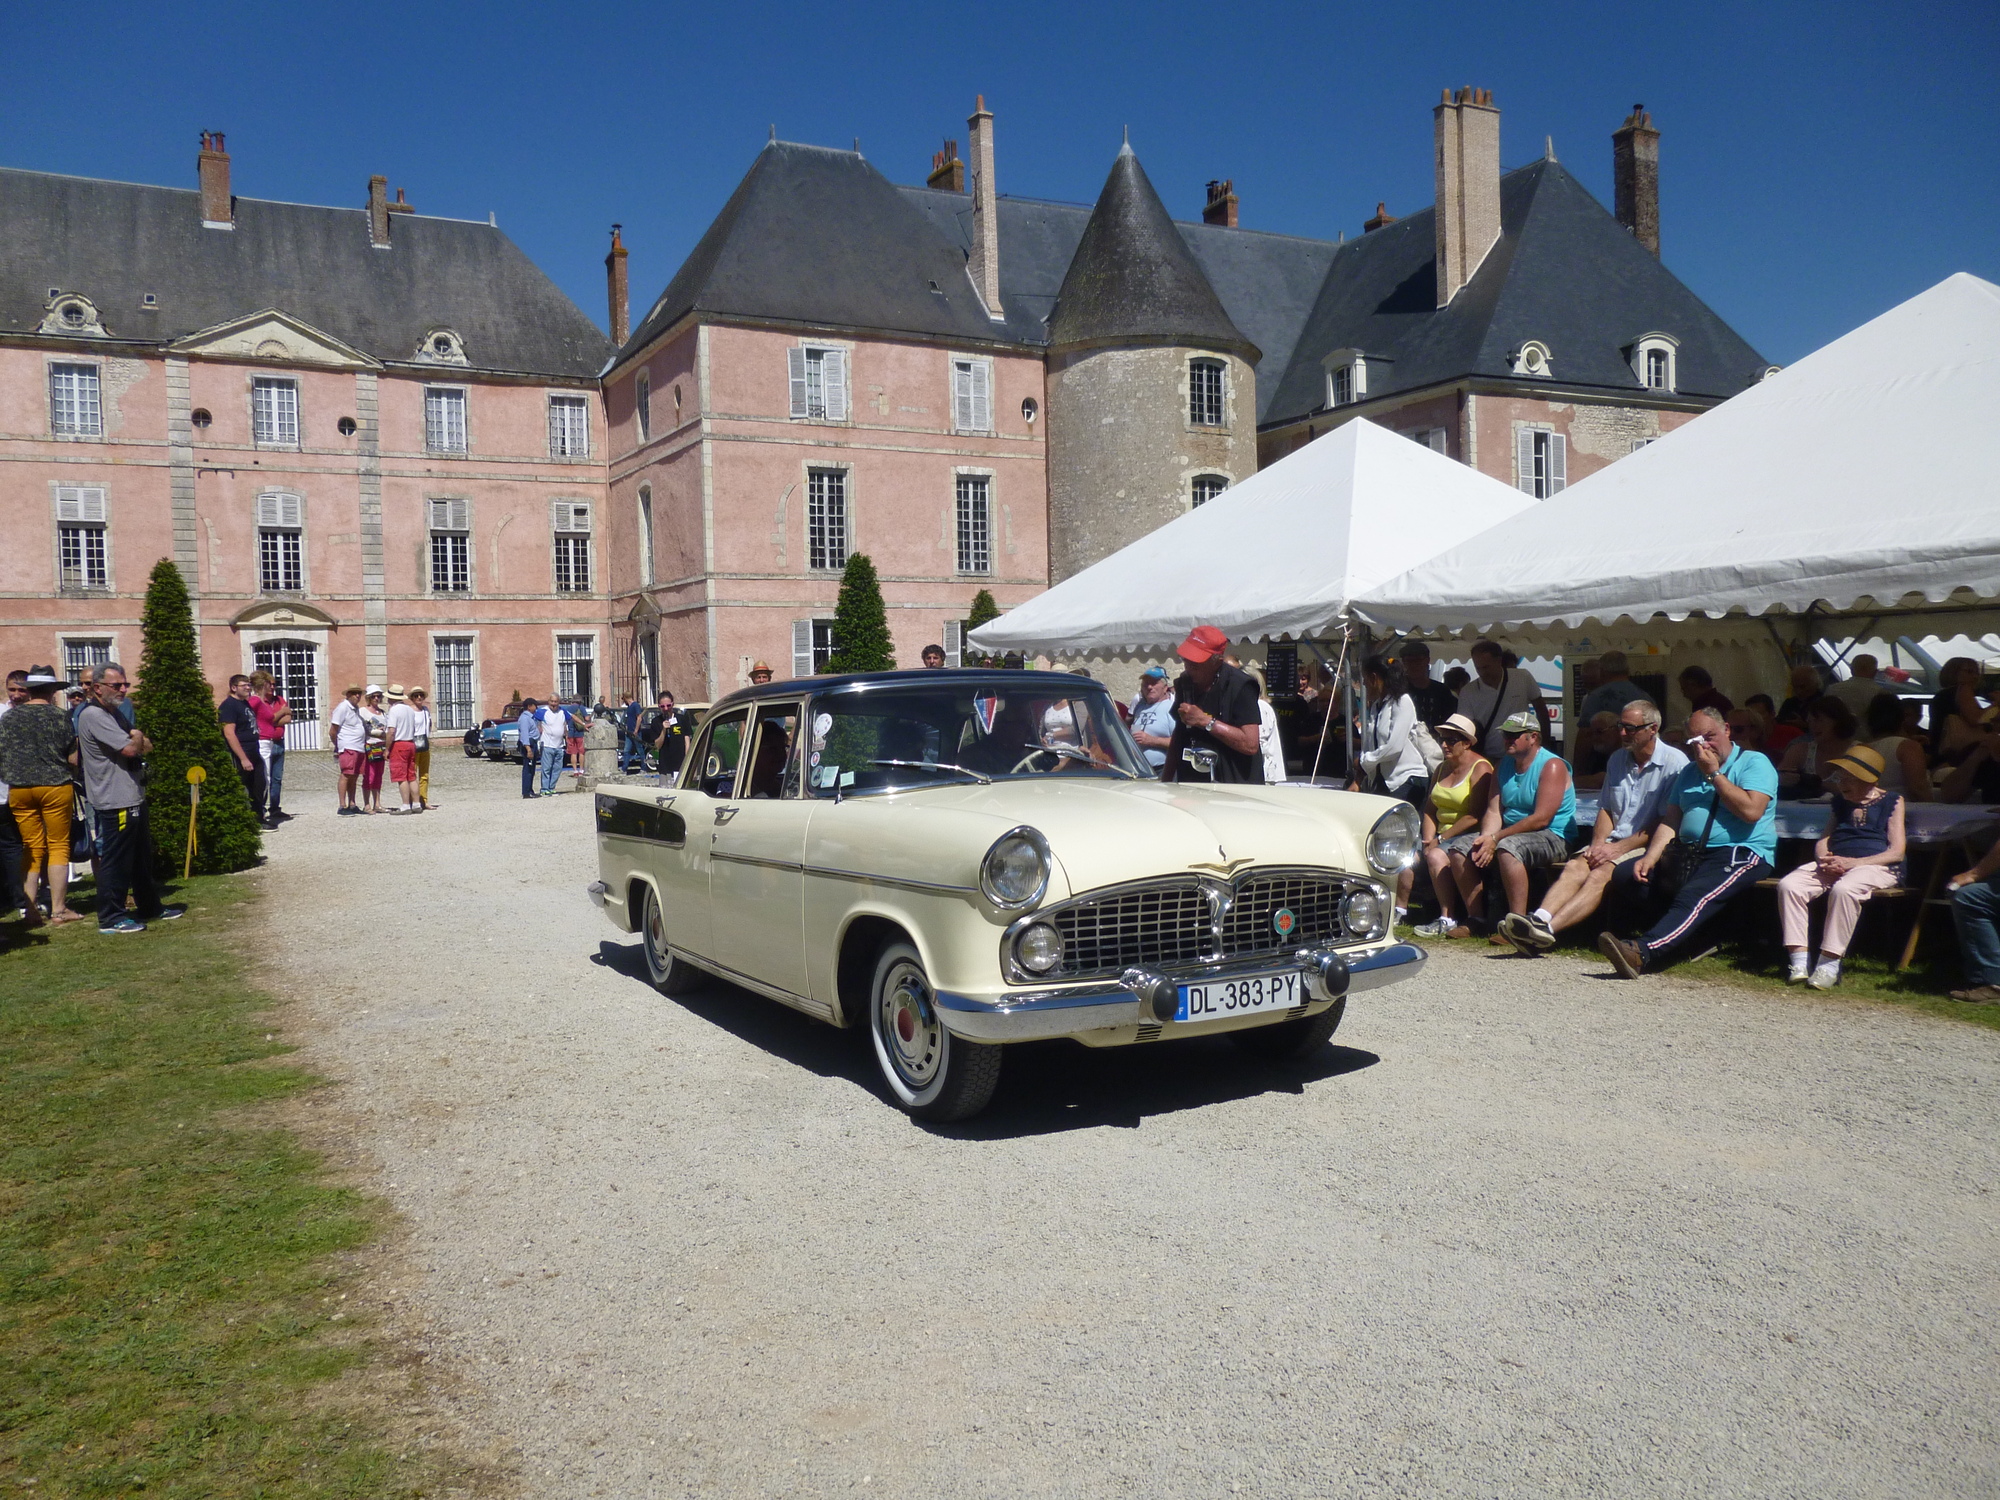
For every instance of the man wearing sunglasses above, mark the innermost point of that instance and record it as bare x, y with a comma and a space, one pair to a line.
1637, 778
112, 765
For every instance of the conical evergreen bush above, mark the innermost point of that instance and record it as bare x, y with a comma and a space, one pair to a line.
176, 709
983, 610
860, 623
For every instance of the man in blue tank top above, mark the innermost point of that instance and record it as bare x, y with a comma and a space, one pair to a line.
1525, 825
1724, 806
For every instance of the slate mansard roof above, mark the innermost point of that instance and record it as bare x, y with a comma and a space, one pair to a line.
820, 238
117, 242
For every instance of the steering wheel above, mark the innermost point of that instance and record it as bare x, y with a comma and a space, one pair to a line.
1027, 762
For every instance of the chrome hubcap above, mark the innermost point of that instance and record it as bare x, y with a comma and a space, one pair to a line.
909, 1027
656, 934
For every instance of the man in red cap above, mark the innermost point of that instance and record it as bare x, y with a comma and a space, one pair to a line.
1216, 704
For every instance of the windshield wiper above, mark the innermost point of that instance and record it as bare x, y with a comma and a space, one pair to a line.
1071, 752
934, 765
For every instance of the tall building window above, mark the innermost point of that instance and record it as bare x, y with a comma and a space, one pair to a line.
1206, 487
1343, 385
572, 541
76, 408
819, 383
451, 546
80, 656
575, 658
1659, 370
569, 427
812, 644
274, 413
975, 524
444, 419
80, 552
972, 395
642, 396
1541, 461
646, 534
280, 543
826, 518
1206, 392
1653, 361
451, 682
1433, 438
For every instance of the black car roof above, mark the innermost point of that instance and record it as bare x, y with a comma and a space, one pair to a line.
916, 677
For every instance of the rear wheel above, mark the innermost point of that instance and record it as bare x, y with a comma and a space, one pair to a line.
933, 1074
1292, 1039
670, 975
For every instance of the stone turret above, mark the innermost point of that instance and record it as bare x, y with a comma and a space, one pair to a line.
1151, 386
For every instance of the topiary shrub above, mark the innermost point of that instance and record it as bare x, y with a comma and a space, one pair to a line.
176, 708
983, 610
860, 623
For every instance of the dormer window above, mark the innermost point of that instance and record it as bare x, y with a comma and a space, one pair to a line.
1653, 361
1533, 360
441, 346
72, 314
1346, 377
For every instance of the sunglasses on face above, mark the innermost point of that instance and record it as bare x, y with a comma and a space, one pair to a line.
1635, 728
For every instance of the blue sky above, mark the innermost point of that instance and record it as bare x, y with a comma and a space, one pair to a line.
1819, 162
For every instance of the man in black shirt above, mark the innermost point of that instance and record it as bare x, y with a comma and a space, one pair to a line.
1434, 701
664, 730
239, 729
1216, 705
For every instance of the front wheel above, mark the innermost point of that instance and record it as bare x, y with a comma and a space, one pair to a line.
1292, 1039
934, 1075
670, 975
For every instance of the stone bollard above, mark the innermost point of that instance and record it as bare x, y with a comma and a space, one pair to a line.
600, 749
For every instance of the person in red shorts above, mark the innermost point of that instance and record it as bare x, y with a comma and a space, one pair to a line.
403, 748
350, 743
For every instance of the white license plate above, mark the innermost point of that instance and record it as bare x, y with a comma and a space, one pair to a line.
1224, 999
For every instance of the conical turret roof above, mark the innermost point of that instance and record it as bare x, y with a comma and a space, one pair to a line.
1133, 279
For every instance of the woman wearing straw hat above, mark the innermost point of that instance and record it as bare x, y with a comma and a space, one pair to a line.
420, 705
1861, 854
403, 748
376, 720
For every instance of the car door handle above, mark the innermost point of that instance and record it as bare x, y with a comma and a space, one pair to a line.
663, 801
724, 814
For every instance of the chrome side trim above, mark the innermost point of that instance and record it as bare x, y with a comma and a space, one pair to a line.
756, 986
719, 857
913, 885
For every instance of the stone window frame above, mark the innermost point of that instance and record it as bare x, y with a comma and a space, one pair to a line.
101, 526
642, 404
1533, 359
798, 359
570, 531
1194, 481
463, 391
992, 480
846, 472
972, 364
1196, 421
296, 442
469, 634
560, 633
297, 529
1557, 475
642, 500
1641, 352
106, 638
1346, 377
568, 398
433, 531
66, 362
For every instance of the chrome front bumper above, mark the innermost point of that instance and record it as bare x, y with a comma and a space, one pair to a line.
1139, 996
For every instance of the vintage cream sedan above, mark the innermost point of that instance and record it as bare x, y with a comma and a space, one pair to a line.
961, 859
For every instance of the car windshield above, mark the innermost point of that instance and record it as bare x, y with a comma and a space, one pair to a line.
893, 737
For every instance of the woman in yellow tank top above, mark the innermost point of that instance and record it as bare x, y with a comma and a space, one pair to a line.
1451, 822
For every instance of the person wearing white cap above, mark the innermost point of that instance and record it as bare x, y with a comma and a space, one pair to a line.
403, 748
1527, 818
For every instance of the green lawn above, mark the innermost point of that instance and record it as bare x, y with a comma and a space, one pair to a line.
170, 1293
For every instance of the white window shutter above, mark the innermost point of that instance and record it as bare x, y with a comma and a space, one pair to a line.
802, 648
1435, 439
267, 510
80, 505
835, 369
797, 358
1524, 459
982, 396
954, 643
1558, 462
961, 395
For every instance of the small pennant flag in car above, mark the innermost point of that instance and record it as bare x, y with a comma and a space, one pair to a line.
986, 709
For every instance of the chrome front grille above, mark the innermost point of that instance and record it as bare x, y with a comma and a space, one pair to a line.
1174, 924
1169, 924
1250, 925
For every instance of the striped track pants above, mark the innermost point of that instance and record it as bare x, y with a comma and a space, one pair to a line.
1720, 876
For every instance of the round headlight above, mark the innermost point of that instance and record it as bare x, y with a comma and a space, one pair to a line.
1039, 948
1392, 842
1015, 871
1361, 914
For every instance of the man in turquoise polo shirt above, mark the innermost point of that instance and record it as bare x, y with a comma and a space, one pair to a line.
1724, 805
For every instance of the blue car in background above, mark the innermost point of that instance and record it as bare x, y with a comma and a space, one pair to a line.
499, 740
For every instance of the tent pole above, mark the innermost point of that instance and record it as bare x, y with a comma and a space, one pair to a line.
1339, 682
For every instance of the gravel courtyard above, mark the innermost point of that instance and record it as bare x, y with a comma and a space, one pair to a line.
1524, 1231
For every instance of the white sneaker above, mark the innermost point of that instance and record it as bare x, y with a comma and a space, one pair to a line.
1799, 967
1440, 928
1827, 975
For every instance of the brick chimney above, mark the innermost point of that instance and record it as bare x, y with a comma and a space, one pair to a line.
1221, 205
1468, 186
218, 209
1635, 177
1382, 217
984, 262
402, 205
947, 171
378, 212
614, 286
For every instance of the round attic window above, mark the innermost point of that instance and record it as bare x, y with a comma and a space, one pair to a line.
346, 426
441, 344
1029, 411
200, 416
74, 315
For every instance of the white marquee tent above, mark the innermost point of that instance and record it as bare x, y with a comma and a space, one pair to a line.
1277, 555
1855, 494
